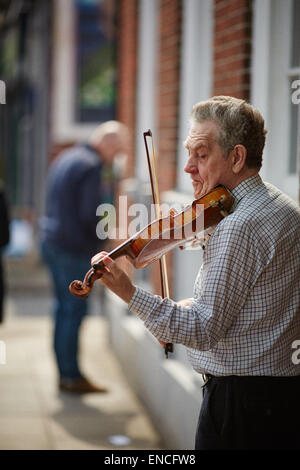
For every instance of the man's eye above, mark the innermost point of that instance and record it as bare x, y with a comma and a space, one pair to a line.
203, 155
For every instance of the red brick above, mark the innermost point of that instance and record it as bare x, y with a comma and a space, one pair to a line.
232, 47
168, 91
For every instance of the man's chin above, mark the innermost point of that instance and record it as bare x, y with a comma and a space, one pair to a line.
200, 193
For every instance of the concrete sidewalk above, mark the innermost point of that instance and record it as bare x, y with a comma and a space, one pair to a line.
33, 414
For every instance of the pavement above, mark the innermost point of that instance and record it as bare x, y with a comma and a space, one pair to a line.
34, 415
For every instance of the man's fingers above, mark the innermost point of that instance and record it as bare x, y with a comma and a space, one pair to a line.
98, 257
107, 279
108, 265
107, 261
113, 277
112, 266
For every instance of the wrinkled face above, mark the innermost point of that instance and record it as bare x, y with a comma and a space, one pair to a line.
206, 163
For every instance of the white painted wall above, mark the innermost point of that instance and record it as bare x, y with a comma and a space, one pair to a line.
196, 71
146, 81
272, 25
169, 390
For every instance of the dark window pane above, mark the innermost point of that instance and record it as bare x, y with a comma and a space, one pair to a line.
96, 60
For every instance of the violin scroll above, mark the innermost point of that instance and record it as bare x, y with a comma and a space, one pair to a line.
82, 289
78, 289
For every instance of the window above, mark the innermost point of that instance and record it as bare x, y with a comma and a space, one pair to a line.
96, 60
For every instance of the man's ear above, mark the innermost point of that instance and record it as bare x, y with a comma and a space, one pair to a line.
238, 158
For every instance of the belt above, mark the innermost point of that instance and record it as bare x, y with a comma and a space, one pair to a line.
293, 378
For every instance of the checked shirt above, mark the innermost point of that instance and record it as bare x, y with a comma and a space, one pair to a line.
245, 312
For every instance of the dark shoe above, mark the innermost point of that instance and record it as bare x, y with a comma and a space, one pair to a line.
81, 385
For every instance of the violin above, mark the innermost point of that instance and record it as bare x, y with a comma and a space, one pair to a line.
164, 234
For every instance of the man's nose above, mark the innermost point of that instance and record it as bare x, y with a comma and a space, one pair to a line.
190, 166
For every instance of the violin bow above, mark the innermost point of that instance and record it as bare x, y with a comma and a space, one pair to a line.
156, 201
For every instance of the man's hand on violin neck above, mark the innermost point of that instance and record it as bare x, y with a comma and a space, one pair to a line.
113, 277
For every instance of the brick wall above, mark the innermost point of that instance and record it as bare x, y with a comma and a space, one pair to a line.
127, 53
232, 47
168, 93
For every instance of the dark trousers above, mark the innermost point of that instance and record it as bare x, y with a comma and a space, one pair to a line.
249, 413
69, 311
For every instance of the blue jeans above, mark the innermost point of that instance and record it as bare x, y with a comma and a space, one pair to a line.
69, 310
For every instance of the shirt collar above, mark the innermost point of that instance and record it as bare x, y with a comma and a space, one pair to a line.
243, 188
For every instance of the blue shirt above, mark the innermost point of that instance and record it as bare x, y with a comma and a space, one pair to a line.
74, 190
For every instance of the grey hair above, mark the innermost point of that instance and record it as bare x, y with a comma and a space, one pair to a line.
238, 123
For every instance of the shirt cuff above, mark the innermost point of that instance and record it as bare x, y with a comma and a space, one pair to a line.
142, 303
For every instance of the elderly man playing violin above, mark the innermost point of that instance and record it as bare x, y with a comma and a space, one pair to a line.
243, 321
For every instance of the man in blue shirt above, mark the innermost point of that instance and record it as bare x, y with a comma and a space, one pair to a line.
79, 179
